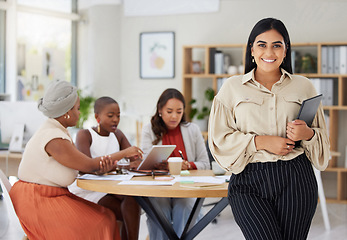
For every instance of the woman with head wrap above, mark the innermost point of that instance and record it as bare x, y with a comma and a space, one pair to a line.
45, 207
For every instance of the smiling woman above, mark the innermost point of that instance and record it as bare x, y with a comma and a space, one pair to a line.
268, 52
260, 150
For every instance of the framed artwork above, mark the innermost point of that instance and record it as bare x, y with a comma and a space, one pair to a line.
157, 55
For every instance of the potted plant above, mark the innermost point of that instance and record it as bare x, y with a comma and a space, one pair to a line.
86, 103
200, 115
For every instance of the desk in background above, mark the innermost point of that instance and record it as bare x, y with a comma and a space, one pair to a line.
9, 162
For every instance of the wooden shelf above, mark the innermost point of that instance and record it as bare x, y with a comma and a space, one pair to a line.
192, 52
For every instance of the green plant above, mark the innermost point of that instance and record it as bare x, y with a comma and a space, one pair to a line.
86, 103
205, 110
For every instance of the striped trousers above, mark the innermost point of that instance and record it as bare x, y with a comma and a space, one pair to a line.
274, 200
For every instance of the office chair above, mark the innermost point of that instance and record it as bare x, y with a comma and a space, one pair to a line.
12, 226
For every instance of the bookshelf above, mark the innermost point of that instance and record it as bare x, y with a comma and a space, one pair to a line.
309, 60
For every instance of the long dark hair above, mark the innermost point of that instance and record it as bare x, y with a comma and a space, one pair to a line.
260, 27
158, 126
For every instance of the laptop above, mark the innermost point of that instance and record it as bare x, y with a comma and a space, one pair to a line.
157, 154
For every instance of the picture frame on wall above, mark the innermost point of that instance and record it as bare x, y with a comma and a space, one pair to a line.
157, 55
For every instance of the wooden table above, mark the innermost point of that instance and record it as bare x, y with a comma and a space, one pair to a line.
143, 195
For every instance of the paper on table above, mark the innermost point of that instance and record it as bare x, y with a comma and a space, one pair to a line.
201, 185
200, 179
153, 183
106, 177
225, 177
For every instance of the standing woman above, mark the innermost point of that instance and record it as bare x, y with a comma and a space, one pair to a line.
45, 207
169, 127
252, 133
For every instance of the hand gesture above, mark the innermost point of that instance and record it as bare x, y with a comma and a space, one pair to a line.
106, 164
298, 130
133, 152
274, 144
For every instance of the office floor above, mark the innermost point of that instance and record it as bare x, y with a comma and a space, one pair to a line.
226, 228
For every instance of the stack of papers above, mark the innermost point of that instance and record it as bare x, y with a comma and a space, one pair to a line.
106, 177
200, 179
153, 183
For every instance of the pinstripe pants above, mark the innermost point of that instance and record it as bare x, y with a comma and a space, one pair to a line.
274, 200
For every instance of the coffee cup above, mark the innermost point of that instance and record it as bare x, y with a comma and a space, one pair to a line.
175, 165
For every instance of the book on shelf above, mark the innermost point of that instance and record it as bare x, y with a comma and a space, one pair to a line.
336, 62
334, 59
324, 59
211, 66
326, 87
330, 63
343, 59
218, 62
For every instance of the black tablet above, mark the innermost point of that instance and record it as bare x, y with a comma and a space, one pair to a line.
309, 109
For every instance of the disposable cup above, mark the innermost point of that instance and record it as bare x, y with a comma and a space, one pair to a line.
175, 165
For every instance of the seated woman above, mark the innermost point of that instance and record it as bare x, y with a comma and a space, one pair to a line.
45, 207
169, 127
102, 140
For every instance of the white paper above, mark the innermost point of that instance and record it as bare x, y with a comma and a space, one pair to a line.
106, 177
153, 183
225, 177
200, 179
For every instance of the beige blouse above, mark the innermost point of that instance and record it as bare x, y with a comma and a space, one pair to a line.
37, 166
243, 109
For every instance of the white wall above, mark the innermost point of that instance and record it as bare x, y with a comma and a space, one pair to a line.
307, 21
109, 41
99, 51
115, 69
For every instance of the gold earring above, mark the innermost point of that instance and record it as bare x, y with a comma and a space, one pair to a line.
98, 127
67, 116
252, 59
159, 114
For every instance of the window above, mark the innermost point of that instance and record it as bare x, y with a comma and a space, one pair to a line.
2, 51
45, 46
